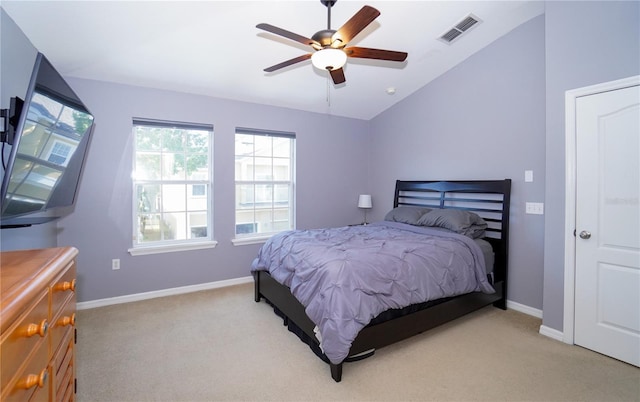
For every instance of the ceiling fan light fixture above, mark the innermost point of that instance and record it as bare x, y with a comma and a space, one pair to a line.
329, 59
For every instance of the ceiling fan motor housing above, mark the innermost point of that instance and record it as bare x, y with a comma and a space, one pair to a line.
324, 38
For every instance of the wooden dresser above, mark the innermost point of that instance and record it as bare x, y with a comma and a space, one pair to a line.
37, 322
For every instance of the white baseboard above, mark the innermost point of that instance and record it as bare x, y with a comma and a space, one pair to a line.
162, 293
551, 333
247, 279
544, 330
524, 309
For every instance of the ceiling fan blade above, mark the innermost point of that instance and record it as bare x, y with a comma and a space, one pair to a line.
337, 76
357, 23
288, 62
287, 34
379, 54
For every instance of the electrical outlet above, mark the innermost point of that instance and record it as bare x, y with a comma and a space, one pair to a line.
536, 208
115, 263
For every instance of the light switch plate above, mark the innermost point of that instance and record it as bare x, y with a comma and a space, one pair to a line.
528, 176
536, 208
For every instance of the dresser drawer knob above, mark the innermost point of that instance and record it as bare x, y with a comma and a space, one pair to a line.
64, 286
66, 320
33, 329
33, 379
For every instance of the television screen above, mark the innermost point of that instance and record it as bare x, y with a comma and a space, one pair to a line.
46, 159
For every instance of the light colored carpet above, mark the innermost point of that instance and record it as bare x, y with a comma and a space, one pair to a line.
221, 345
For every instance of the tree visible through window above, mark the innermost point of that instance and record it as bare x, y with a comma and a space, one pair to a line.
264, 163
172, 185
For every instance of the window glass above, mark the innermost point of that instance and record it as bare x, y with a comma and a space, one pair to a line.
172, 182
264, 163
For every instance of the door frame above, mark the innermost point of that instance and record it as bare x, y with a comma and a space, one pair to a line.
571, 97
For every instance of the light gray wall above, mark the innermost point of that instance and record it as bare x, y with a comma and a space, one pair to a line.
484, 119
586, 43
331, 170
17, 56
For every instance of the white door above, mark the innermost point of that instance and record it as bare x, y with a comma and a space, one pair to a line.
607, 271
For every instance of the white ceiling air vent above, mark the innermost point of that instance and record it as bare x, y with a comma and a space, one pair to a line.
460, 28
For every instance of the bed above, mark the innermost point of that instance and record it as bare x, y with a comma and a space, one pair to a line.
312, 313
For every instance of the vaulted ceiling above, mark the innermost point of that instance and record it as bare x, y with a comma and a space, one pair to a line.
213, 48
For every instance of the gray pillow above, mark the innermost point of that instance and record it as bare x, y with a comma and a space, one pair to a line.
404, 214
463, 222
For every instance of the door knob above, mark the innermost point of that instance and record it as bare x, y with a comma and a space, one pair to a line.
585, 235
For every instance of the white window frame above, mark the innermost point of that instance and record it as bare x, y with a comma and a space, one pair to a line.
252, 238
57, 144
163, 246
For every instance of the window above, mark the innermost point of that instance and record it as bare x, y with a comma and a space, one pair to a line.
59, 153
264, 173
172, 183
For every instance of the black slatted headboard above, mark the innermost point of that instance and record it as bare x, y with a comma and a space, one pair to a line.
488, 198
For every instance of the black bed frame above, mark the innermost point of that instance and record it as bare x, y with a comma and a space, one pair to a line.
488, 198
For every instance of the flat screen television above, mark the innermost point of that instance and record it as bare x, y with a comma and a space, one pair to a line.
49, 145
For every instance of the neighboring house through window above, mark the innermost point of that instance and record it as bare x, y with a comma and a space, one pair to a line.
172, 185
264, 177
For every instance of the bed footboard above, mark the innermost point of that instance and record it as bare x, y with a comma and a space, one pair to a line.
280, 297
374, 336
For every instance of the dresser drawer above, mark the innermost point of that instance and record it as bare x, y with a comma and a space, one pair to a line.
22, 337
69, 394
65, 388
40, 395
63, 369
63, 288
33, 381
61, 323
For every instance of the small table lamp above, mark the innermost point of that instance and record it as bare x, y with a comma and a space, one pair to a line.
364, 202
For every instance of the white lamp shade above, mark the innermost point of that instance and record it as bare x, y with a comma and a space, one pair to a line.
329, 59
364, 201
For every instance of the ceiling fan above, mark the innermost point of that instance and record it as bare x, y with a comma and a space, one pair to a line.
330, 46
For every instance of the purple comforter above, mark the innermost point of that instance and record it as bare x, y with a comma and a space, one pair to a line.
346, 276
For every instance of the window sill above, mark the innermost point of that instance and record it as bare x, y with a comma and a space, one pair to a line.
169, 248
243, 241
